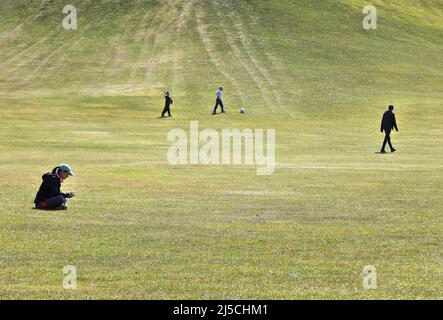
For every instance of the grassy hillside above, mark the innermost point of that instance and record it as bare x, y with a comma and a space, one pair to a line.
141, 228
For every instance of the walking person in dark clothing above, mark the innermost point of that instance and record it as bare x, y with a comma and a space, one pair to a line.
387, 124
49, 196
219, 101
168, 102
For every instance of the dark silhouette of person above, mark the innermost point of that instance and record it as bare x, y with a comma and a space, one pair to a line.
168, 102
387, 124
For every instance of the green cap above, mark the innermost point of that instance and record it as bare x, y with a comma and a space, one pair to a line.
66, 168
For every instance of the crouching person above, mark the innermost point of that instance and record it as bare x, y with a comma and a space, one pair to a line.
49, 196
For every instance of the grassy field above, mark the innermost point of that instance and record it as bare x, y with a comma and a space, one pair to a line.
142, 228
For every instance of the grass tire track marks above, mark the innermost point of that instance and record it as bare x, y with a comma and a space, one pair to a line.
210, 50
245, 41
120, 52
143, 34
20, 56
69, 43
13, 34
179, 25
158, 24
245, 61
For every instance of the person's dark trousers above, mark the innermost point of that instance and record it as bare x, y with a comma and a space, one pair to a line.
387, 140
52, 203
166, 110
218, 103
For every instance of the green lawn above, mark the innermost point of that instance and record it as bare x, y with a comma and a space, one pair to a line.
141, 228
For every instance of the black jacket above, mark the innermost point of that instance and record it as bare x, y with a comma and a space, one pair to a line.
388, 122
168, 101
49, 188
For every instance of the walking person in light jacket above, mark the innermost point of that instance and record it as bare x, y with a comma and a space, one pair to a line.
219, 101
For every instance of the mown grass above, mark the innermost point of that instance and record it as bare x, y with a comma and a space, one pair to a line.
141, 228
